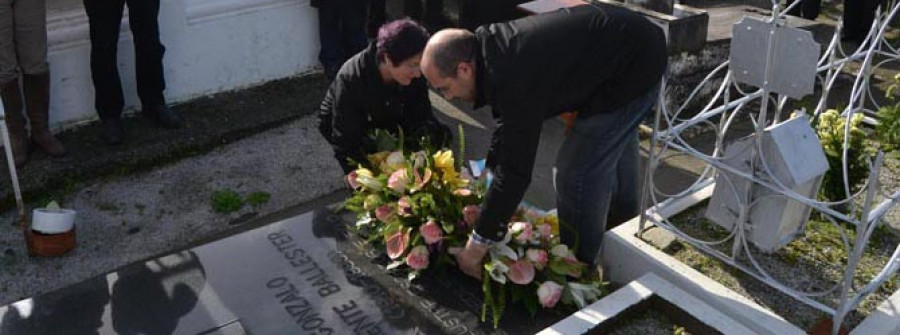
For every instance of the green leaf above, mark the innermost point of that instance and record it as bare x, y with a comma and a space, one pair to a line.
500, 305
488, 298
227, 201
448, 227
258, 198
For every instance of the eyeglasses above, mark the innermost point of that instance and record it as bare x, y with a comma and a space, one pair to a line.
443, 89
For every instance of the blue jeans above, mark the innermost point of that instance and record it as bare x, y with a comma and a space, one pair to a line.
342, 32
597, 175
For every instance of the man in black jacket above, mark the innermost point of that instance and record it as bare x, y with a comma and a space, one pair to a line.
604, 61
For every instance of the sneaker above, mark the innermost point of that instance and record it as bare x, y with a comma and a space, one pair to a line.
111, 131
163, 116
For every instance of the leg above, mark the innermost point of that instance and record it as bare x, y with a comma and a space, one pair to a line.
625, 203
31, 36
9, 63
104, 17
587, 165
148, 51
434, 10
329, 38
797, 8
353, 29
376, 17
811, 9
413, 9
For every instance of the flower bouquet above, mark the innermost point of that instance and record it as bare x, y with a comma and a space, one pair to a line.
530, 266
417, 204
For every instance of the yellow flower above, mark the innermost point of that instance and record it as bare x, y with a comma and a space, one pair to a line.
443, 160
552, 220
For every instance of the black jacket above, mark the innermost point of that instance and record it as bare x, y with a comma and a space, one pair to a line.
358, 101
591, 59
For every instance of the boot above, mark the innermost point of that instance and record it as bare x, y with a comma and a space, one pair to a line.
15, 121
37, 105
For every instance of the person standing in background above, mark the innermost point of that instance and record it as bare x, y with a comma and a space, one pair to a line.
858, 17
105, 17
434, 13
342, 32
23, 50
807, 9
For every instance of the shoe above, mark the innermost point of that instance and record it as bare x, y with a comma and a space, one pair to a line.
111, 131
11, 95
37, 106
163, 116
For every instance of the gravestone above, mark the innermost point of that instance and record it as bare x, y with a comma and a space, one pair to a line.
303, 275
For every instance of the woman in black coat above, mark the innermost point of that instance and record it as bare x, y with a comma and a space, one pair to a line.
380, 88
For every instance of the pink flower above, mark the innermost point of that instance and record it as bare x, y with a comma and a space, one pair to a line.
384, 213
418, 257
471, 214
404, 206
396, 244
538, 257
524, 230
549, 293
420, 180
398, 181
462, 192
431, 232
573, 267
521, 272
351, 179
545, 230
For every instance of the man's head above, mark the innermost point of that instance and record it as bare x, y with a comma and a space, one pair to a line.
448, 63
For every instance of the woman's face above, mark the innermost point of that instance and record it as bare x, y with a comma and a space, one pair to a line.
404, 72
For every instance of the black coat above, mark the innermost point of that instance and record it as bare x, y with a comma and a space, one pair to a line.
591, 59
358, 102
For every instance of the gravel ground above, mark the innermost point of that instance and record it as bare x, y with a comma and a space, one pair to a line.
130, 218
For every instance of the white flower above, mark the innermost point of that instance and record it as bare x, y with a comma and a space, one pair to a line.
365, 220
582, 293
560, 250
497, 270
502, 249
395, 160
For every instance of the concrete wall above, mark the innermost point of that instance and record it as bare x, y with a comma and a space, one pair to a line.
211, 46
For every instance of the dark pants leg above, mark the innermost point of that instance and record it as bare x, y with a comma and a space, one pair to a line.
807, 9
597, 175
858, 17
434, 10
342, 25
148, 51
104, 17
377, 17
353, 28
413, 9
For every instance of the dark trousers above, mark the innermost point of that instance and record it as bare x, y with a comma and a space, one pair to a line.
105, 16
858, 17
342, 33
807, 9
474, 13
434, 10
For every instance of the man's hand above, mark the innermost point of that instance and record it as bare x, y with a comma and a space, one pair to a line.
469, 258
